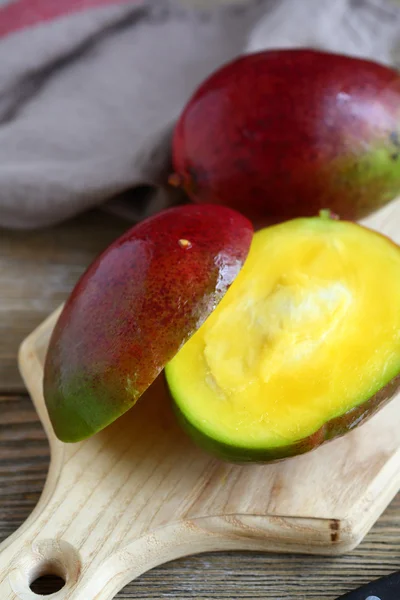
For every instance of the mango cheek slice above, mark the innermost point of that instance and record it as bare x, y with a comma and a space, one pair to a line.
133, 309
304, 346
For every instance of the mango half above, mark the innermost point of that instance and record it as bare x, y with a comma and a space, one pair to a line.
132, 310
304, 346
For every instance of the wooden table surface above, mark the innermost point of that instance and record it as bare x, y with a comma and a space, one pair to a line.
37, 271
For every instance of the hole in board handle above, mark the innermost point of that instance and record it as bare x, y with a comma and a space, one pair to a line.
47, 584
49, 567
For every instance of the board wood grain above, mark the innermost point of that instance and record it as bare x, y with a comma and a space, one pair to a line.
140, 493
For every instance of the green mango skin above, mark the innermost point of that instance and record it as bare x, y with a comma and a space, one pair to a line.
331, 430
283, 134
134, 308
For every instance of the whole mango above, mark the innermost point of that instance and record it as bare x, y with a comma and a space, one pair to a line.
285, 133
134, 308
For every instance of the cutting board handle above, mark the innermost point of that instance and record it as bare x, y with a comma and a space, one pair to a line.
23, 561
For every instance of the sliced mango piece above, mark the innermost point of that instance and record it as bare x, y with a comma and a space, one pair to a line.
132, 310
304, 346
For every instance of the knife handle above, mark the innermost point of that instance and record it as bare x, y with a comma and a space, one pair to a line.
385, 588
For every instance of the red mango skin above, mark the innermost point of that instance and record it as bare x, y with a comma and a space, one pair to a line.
133, 309
286, 133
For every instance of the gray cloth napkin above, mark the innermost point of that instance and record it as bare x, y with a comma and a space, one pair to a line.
90, 91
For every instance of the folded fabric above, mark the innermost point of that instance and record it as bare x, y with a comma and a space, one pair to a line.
90, 89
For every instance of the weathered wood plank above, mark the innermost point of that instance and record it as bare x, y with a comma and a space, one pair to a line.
37, 271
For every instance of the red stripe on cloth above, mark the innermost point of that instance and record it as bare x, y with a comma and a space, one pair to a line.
26, 13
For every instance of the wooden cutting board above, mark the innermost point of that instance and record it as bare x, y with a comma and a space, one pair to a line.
140, 493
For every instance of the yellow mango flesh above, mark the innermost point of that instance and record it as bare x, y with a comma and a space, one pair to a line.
309, 329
